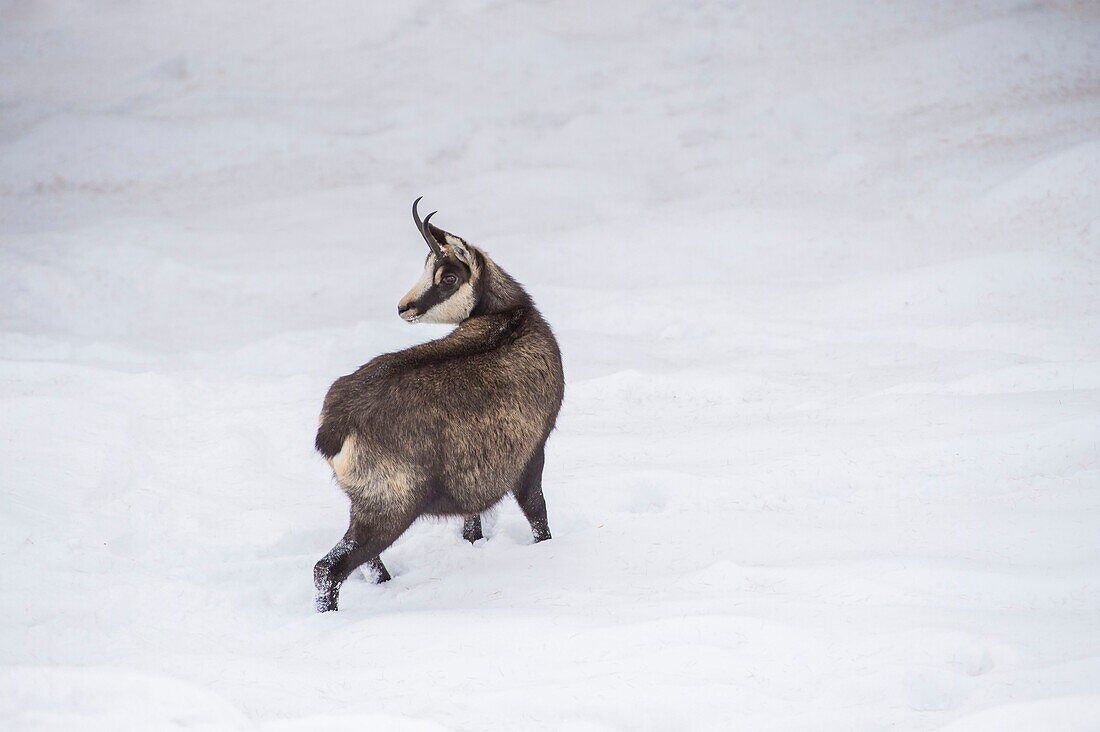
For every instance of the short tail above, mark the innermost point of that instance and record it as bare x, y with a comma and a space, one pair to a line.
331, 435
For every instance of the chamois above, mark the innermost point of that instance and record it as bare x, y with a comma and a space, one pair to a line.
448, 427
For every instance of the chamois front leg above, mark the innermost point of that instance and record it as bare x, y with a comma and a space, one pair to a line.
471, 528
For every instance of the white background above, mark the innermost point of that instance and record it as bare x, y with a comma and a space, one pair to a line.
827, 281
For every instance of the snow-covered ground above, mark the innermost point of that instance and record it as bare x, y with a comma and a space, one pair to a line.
827, 281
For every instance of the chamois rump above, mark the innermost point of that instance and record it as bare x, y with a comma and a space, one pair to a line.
448, 427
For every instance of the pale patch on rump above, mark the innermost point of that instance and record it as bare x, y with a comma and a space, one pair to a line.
374, 478
342, 461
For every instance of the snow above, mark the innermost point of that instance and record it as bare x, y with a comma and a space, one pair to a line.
826, 279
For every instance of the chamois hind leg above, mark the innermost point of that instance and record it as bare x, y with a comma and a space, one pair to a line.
471, 528
362, 544
378, 570
528, 493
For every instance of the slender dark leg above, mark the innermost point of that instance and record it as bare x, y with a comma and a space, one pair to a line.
471, 529
333, 568
530, 499
377, 569
361, 544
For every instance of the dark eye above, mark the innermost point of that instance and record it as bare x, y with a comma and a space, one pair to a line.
448, 280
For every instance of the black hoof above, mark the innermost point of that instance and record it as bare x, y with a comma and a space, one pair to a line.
471, 530
327, 590
541, 533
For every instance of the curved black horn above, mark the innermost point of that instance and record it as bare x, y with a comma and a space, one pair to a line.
425, 232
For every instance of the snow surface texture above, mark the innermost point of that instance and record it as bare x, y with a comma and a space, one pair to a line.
827, 281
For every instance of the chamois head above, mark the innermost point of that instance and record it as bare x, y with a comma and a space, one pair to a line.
447, 290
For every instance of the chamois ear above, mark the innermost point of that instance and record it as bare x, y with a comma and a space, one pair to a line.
461, 252
458, 245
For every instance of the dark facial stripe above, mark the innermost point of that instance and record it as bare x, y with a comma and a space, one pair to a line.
437, 293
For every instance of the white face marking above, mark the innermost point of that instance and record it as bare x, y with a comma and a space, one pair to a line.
418, 290
454, 309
